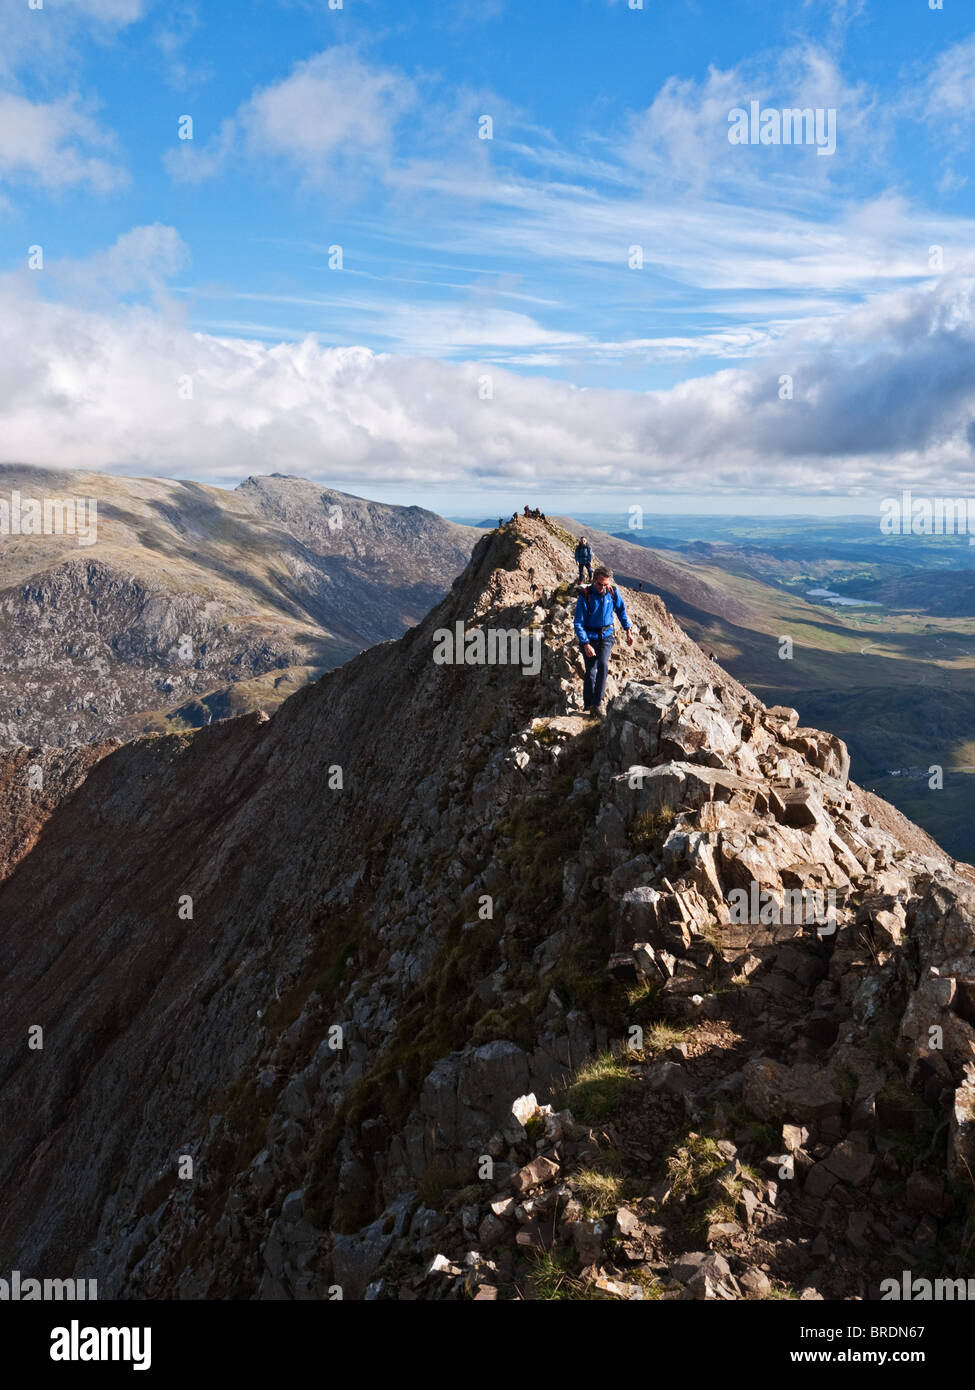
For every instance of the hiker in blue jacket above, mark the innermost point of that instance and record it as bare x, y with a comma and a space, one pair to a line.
584, 558
596, 606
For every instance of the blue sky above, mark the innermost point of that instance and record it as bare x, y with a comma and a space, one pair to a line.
600, 303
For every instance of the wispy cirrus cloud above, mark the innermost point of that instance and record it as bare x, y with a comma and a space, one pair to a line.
701, 214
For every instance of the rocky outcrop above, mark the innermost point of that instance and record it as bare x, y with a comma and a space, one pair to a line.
429, 987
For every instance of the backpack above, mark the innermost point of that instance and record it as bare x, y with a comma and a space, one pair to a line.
587, 589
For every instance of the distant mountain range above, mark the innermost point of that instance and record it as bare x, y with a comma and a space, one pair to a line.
198, 602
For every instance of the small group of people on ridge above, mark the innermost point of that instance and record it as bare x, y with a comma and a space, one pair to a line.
529, 511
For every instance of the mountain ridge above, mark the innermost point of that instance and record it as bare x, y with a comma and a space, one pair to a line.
337, 857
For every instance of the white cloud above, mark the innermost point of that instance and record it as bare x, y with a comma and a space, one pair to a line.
331, 105
883, 395
331, 110
57, 143
142, 259
43, 41
53, 144
683, 134
951, 85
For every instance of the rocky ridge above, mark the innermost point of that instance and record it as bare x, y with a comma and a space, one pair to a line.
484, 1021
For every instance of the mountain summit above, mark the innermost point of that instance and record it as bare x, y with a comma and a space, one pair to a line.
428, 987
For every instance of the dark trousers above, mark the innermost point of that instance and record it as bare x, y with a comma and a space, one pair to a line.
587, 568
597, 669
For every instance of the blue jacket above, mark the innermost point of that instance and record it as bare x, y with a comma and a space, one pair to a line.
583, 554
594, 613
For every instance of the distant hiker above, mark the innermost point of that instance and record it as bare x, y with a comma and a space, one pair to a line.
583, 555
500, 523
527, 510
595, 608
541, 516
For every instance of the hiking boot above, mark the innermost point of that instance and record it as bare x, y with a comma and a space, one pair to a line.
598, 711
